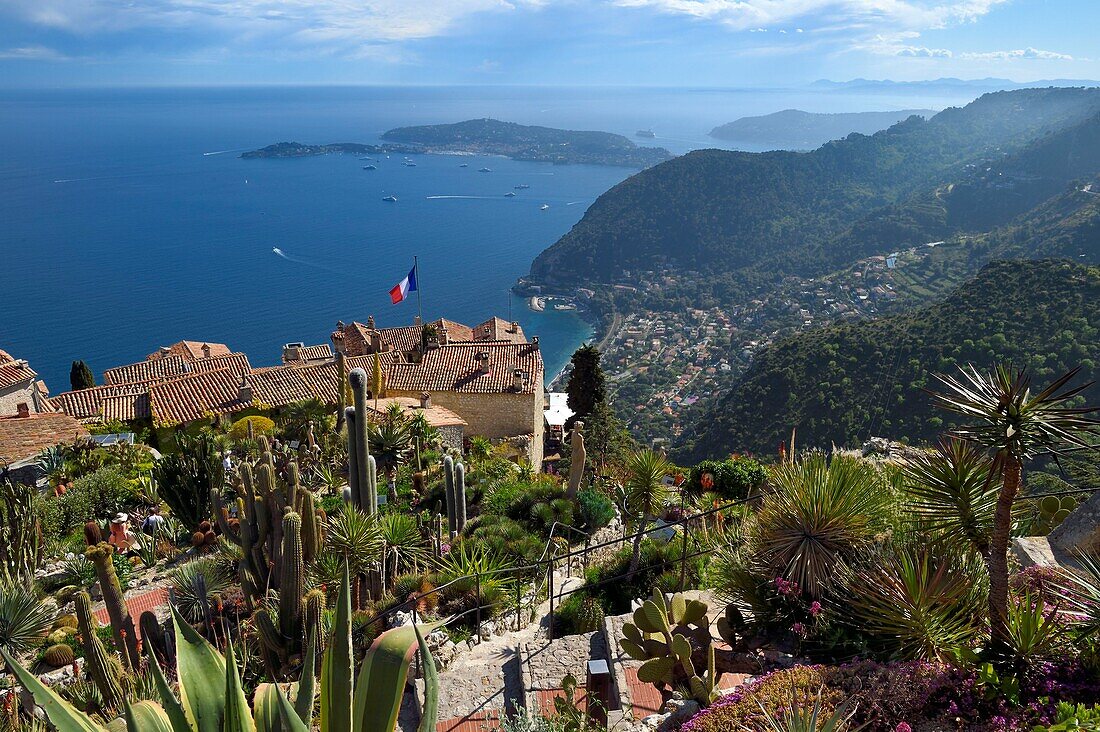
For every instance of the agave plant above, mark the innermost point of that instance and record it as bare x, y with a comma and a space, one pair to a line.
196, 582
921, 603
212, 699
402, 537
354, 536
1006, 418
821, 514
24, 618
951, 491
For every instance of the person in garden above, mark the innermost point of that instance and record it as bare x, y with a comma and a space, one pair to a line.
121, 538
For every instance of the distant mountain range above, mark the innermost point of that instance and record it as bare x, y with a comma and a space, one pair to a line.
987, 84
526, 142
793, 129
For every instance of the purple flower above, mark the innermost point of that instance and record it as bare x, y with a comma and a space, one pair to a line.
815, 608
903, 727
799, 629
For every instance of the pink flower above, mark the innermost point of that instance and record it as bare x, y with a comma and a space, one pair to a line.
815, 609
799, 629
903, 727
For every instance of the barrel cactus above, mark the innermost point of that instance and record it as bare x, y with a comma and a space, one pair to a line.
59, 654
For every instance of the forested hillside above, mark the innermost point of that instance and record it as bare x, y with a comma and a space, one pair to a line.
755, 216
842, 383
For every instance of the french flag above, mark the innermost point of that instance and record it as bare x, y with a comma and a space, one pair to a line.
402, 289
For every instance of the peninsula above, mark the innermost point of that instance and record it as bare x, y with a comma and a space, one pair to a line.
301, 150
524, 142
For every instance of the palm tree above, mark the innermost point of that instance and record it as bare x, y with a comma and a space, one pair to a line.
296, 417
644, 493
1016, 425
423, 433
480, 449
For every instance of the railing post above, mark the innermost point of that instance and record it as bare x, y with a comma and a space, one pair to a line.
683, 549
587, 541
550, 625
477, 593
519, 604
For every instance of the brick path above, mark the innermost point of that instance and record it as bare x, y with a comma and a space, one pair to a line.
137, 604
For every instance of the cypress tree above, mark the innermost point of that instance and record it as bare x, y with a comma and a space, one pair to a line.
81, 376
586, 386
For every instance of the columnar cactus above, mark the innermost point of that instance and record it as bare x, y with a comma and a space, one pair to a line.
20, 534
454, 477
100, 665
312, 534
122, 624
291, 577
363, 479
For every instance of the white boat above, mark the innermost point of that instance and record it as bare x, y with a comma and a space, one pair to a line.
464, 165
544, 206
485, 170
510, 194
391, 199
370, 167
522, 187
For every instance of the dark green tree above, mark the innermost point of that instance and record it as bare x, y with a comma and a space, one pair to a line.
586, 386
81, 376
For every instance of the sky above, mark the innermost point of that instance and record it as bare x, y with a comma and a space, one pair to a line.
727, 43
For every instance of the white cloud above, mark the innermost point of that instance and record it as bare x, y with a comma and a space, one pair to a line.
349, 22
836, 14
923, 52
32, 53
1027, 54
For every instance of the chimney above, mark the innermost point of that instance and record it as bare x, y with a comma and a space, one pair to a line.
292, 352
165, 350
206, 350
370, 322
518, 380
442, 334
244, 391
488, 331
482, 362
425, 400
23, 410
515, 327
417, 321
535, 341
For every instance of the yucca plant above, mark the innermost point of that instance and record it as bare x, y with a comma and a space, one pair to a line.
401, 535
951, 491
197, 582
354, 536
644, 494
1034, 631
212, 699
820, 514
24, 618
921, 603
1005, 417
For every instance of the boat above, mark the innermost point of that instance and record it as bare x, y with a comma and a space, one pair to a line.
391, 199
409, 165
522, 187
537, 304
370, 167
464, 165
648, 134
510, 194
485, 170
565, 306
544, 206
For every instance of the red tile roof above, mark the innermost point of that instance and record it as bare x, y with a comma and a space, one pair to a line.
437, 416
195, 397
455, 367
126, 407
235, 362
304, 354
87, 404
22, 438
15, 372
190, 350
499, 329
160, 368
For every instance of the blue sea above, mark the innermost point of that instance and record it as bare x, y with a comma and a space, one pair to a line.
128, 220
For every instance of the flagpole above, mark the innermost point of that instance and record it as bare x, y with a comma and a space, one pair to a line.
416, 270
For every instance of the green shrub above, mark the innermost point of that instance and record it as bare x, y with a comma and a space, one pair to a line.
260, 426
659, 567
732, 478
596, 510
96, 496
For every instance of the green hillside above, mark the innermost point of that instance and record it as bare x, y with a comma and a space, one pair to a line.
756, 216
842, 383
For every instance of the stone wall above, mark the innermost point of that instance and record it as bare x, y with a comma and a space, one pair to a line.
495, 416
13, 396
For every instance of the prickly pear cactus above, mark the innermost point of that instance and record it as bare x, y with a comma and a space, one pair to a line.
662, 636
1052, 511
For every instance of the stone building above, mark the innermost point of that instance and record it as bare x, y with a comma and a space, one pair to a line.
451, 427
495, 386
361, 339
20, 389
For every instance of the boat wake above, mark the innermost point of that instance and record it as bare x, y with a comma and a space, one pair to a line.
575, 203
477, 198
223, 152
299, 260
